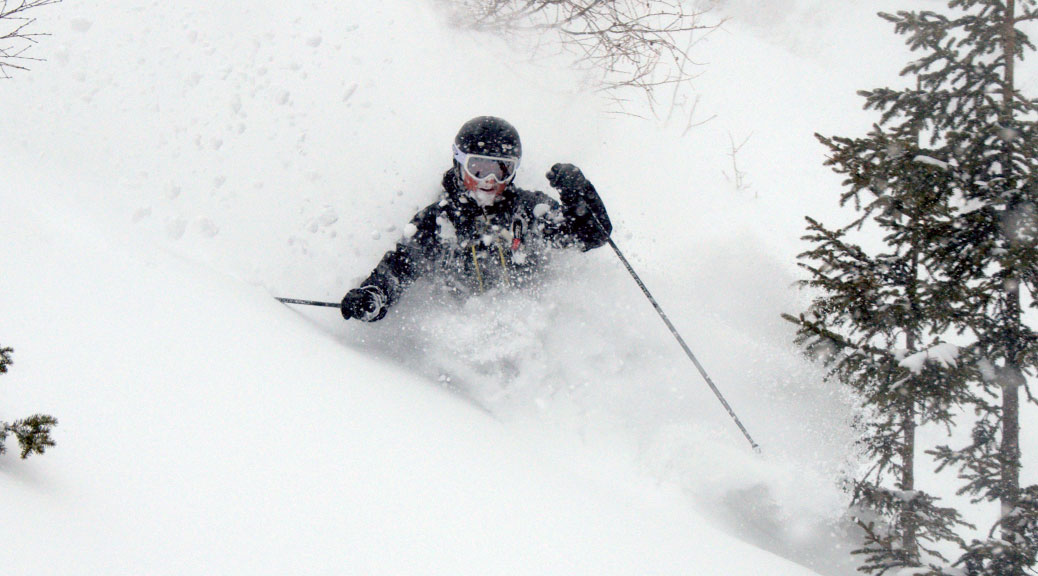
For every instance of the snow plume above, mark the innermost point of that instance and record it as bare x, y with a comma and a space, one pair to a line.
283, 155
584, 355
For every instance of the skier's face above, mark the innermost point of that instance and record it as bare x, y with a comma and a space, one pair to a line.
486, 191
485, 177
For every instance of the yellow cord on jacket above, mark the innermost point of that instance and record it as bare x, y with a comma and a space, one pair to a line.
479, 272
504, 267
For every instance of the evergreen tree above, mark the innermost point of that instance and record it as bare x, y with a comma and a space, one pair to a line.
33, 433
871, 319
982, 252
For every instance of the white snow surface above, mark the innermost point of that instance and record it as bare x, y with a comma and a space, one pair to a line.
170, 168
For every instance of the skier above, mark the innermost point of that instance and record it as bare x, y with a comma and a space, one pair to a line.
484, 231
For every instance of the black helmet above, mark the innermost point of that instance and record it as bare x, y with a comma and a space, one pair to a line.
489, 136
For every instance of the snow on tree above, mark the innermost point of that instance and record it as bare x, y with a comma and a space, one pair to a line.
872, 322
979, 249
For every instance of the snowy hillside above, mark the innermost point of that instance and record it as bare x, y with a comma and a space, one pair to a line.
169, 169
207, 429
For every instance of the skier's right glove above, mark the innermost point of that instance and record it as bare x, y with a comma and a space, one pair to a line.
366, 303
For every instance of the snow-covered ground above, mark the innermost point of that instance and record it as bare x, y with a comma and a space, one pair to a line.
169, 168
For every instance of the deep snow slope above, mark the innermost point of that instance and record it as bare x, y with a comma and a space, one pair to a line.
207, 429
170, 167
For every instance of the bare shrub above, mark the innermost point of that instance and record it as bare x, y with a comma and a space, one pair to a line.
16, 39
641, 44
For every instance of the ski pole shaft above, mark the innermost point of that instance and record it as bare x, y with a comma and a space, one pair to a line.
677, 336
308, 302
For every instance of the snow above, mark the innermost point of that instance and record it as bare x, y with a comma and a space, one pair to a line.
931, 161
944, 355
169, 168
911, 571
206, 428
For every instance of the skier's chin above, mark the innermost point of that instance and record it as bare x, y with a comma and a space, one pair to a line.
485, 198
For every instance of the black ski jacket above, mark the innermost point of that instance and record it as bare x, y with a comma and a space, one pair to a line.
474, 249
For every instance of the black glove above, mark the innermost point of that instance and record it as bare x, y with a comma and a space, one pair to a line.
366, 303
581, 204
570, 182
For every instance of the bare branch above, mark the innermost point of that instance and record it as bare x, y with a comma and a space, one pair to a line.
641, 44
15, 39
738, 177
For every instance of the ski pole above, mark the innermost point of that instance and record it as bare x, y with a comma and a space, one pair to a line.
308, 302
677, 336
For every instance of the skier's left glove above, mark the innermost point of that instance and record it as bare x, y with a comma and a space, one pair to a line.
366, 303
581, 204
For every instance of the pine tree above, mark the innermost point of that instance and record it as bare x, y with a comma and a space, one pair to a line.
33, 433
981, 134
873, 313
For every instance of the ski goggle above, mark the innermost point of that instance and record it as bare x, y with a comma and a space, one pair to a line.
501, 168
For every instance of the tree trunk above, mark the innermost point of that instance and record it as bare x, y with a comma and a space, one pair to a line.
1013, 376
909, 522
1009, 451
1010, 56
